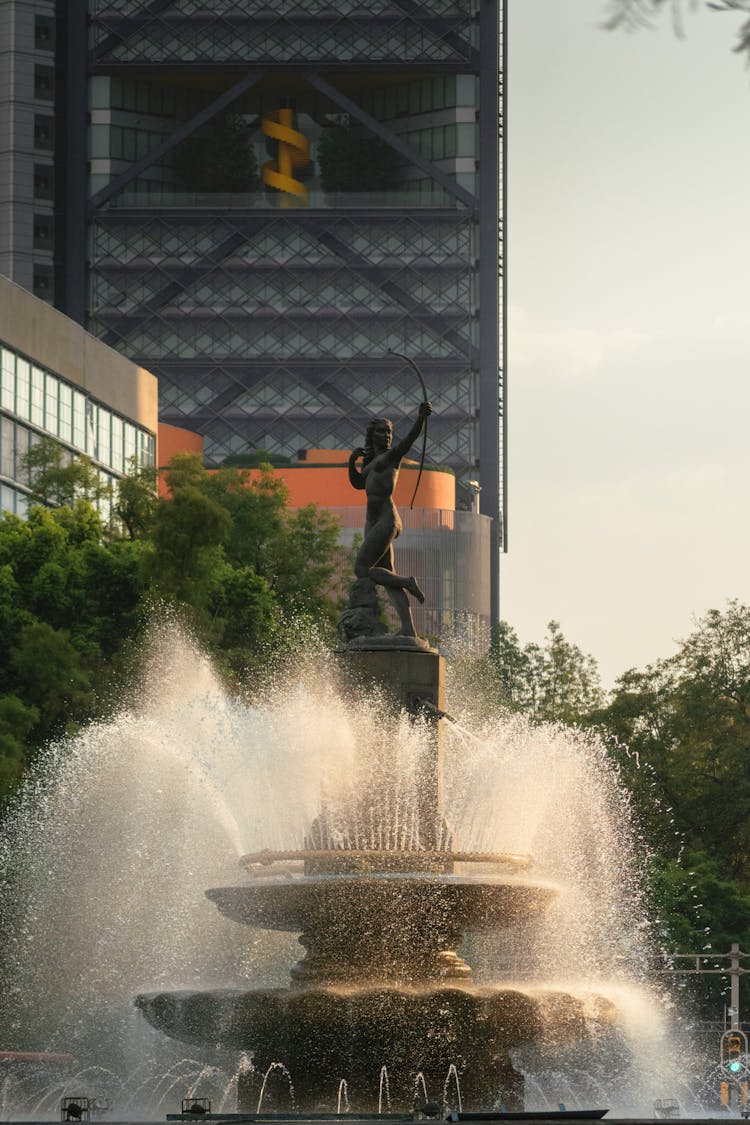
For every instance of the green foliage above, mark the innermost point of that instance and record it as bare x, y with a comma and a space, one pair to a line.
688, 720
136, 500
254, 458
552, 682
680, 731
351, 159
55, 478
74, 592
218, 157
633, 14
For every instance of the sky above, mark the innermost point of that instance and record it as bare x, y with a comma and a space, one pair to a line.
628, 265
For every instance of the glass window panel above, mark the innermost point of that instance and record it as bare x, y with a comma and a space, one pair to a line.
129, 440
22, 504
23, 388
148, 449
79, 420
8, 379
44, 33
44, 132
44, 230
23, 442
44, 82
91, 412
65, 422
51, 413
450, 140
99, 91
466, 139
104, 443
43, 281
99, 141
116, 458
37, 396
7, 448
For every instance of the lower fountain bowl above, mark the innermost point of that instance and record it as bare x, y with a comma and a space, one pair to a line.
325, 1034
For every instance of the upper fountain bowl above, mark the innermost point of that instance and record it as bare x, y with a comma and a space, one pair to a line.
393, 926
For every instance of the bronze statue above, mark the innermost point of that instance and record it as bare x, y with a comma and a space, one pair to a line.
381, 461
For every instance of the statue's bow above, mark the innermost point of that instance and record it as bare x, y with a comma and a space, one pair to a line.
424, 431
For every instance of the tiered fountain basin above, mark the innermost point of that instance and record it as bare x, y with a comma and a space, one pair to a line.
381, 982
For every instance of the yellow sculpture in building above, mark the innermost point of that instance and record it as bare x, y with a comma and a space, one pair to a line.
293, 153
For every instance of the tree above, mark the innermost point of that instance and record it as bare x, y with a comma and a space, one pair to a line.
75, 592
351, 159
687, 721
294, 552
640, 13
55, 478
553, 682
218, 158
136, 500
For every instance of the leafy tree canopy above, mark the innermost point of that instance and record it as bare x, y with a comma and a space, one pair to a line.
551, 682
632, 14
75, 590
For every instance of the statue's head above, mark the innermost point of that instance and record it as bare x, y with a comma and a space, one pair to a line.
378, 437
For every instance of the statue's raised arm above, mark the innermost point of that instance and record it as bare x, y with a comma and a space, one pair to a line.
401, 448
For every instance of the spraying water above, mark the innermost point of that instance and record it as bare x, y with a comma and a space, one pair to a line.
118, 833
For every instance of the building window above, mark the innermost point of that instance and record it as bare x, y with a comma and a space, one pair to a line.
44, 181
44, 82
117, 447
44, 132
37, 397
44, 33
23, 388
8, 380
43, 281
7, 448
65, 430
79, 420
44, 232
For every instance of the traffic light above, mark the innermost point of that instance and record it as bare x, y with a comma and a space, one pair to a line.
733, 1053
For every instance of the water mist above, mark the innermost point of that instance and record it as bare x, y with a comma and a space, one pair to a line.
118, 833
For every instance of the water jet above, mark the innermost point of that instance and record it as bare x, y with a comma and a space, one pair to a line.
466, 910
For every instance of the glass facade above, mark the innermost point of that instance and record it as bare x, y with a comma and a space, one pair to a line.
272, 321
35, 403
276, 313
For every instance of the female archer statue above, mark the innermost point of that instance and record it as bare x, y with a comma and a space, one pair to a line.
381, 461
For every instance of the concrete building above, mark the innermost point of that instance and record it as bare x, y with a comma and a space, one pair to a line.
268, 206
57, 381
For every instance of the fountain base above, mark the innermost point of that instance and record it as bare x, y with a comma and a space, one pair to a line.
323, 1035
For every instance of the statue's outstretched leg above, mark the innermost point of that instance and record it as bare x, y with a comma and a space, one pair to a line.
396, 585
393, 581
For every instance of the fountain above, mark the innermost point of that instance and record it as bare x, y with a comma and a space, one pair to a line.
381, 919
381, 905
369, 828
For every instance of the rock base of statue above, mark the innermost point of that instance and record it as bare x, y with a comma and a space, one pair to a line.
361, 625
363, 616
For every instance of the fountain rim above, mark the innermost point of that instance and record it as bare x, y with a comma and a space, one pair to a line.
268, 856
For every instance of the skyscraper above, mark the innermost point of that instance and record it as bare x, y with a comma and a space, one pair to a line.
268, 206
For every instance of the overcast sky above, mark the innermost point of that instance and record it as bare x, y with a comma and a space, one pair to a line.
629, 285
